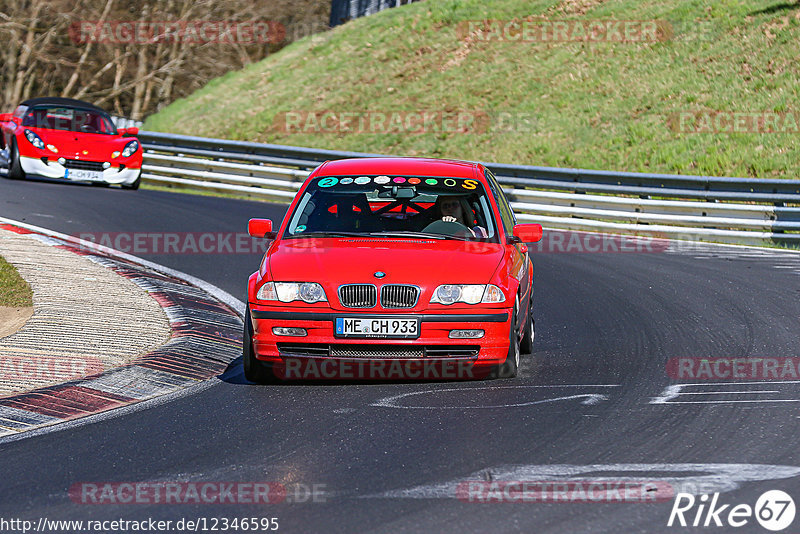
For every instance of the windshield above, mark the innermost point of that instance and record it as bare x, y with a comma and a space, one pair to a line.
443, 208
69, 119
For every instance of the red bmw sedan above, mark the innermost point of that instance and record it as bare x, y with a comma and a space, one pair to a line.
392, 268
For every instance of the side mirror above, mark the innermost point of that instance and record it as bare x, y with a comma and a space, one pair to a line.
5, 117
528, 233
133, 130
259, 227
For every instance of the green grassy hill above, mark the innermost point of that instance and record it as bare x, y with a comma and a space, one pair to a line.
602, 105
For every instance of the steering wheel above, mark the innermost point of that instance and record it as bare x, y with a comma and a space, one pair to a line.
448, 228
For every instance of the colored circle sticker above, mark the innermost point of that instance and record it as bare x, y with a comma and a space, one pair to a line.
414, 181
431, 181
361, 180
449, 182
328, 182
399, 180
300, 229
345, 181
382, 180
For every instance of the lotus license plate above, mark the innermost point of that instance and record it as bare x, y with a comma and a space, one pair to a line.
82, 174
377, 327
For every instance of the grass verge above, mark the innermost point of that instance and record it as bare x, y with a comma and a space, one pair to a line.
14, 291
602, 105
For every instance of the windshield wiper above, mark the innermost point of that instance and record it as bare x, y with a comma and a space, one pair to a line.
329, 234
411, 233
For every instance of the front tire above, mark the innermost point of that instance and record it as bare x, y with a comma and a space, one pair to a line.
254, 370
510, 367
15, 171
526, 345
135, 184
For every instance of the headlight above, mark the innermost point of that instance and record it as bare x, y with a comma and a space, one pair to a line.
130, 149
493, 294
308, 292
34, 139
468, 293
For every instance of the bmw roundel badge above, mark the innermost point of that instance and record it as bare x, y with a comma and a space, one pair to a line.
380, 274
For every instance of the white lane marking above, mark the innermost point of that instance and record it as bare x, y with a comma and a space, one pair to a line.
589, 398
669, 393
673, 391
697, 479
730, 392
732, 401
767, 382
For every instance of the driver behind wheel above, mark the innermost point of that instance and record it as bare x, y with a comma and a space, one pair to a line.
452, 209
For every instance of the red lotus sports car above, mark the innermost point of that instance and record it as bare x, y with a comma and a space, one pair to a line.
69, 139
392, 268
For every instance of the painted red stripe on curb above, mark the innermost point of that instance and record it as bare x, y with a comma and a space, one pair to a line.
218, 335
15, 229
66, 402
182, 363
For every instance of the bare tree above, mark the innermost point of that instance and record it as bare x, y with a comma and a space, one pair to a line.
71, 48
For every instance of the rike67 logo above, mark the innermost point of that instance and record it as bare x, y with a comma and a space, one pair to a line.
774, 510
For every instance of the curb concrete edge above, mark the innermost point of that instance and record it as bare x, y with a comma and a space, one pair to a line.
205, 325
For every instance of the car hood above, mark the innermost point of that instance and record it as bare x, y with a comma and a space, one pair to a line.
78, 145
422, 262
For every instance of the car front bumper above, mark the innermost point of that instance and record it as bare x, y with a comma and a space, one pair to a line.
322, 354
53, 169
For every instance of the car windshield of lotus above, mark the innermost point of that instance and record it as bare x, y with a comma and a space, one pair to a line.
394, 207
69, 119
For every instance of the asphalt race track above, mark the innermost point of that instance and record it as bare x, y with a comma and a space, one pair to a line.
389, 457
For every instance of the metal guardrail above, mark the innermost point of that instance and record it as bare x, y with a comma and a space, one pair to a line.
124, 122
733, 210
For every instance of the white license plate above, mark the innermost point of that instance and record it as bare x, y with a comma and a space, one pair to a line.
81, 174
377, 327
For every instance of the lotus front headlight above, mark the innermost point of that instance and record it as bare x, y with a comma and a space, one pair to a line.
130, 149
34, 139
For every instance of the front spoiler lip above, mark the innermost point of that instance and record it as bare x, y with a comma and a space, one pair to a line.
35, 168
422, 359
424, 317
